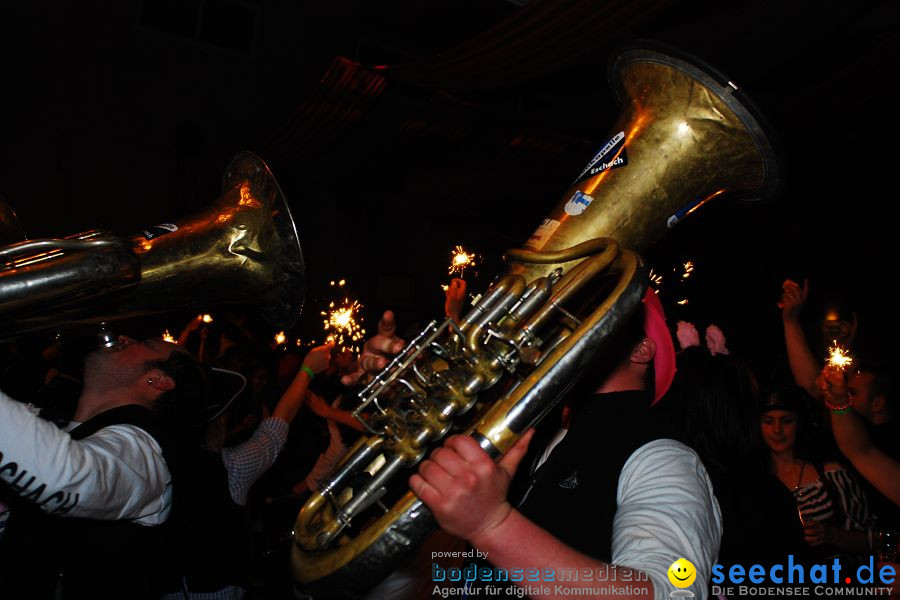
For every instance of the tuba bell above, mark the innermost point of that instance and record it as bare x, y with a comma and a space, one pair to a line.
685, 136
242, 249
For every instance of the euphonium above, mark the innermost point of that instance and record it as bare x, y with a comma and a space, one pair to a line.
685, 136
242, 249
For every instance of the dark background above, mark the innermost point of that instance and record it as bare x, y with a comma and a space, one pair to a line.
400, 129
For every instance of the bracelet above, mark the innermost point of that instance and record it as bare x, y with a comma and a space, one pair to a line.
308, 371
840, 409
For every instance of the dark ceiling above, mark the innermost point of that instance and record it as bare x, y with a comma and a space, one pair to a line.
400, 129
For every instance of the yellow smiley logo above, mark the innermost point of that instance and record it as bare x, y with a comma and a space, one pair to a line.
682, 573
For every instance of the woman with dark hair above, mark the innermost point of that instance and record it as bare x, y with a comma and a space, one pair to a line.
711, 407
830, 504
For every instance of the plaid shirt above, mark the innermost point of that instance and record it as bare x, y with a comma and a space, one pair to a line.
231, 592
246, 462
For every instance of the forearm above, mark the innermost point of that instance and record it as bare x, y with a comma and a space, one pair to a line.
246, 462
851, 435
344, 418
292, 399
517, 543
202, 352
875, 466
804, 366
185, 334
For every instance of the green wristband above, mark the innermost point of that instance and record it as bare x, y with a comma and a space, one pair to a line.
310, 372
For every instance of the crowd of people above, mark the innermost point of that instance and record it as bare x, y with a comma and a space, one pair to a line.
175, 470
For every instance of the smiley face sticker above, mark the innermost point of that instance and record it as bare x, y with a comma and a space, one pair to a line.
682, 573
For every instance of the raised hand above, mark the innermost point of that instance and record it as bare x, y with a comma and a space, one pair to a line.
793, 297
377, 350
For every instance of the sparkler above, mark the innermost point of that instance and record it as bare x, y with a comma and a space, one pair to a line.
656, 280
343, 324
687, 269
838, 357
280, 338
167, 337
206, 318
460, 260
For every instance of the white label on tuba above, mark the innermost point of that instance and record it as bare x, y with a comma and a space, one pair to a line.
158, 230
578, 203
540, 236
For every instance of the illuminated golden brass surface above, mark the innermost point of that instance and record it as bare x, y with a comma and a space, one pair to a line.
242, 249
683, 143
683, 139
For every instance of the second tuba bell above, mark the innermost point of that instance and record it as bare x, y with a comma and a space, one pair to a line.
242, 249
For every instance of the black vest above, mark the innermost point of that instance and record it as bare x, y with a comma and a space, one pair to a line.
210, 542
87, 558
573, 494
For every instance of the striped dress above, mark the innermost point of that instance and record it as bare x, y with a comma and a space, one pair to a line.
815, 502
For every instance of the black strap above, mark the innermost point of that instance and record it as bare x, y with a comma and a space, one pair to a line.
130, 414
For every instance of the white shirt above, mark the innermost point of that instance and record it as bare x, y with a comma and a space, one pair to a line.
666, 511
118, 473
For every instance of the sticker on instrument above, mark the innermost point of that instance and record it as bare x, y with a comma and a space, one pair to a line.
540, 236
158, 230
693, 205
613, 148
578, 203
684, 211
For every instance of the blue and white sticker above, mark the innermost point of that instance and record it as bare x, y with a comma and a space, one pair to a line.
578, 203
158, 230
613, 148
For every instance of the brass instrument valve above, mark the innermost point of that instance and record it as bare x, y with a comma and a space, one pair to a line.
450, 386
436, 421
395, 427
408, 448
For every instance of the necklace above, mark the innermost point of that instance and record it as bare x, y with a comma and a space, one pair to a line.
800, 476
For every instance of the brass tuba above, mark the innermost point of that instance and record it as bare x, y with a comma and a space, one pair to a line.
242, 249
685, 136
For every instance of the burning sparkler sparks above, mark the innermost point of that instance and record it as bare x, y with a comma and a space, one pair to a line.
838, 357
280, 338
688, 268
656, 280
206, 318
460, 260
343, 324
167, 337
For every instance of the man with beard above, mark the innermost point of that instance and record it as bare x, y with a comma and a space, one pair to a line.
93, 495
